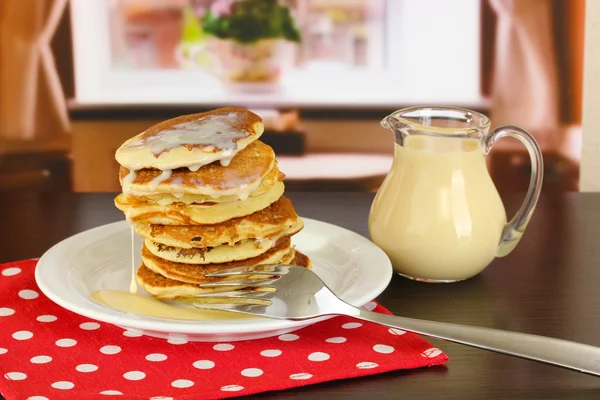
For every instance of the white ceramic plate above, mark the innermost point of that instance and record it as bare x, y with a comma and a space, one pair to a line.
100, 258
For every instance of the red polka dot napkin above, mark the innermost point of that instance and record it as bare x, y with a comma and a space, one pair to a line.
47, 352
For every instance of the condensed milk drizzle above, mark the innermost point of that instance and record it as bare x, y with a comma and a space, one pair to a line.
216, 134
166, 174
147, 306
133, 283
198, 132
226, 161
128, 181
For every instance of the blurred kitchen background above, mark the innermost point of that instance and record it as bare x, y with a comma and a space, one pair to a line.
79, 77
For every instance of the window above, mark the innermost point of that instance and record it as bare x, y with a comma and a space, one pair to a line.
148, 34
352, 53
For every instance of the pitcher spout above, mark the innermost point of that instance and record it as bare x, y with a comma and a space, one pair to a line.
390, 122
396, 125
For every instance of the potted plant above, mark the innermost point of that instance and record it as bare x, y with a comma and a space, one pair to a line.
249, 39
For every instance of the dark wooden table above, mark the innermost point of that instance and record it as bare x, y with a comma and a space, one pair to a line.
550, 285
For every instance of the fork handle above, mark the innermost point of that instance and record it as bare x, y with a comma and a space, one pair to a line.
562, 353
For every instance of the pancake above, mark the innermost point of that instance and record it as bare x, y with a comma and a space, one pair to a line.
194, 273
191, 140
206, 195
195, 214
265, 223
165, 288
268, 181
242, 250
241, 177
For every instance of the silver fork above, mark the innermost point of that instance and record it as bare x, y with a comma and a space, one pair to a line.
296, 293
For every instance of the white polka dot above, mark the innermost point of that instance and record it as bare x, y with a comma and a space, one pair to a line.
22, 335
232, 388
110, 349
397, 332
318, 356
37, 398
351, 325
383, 348
223, 347
203, 364
41, 359
66, 342
156, 357
65, 385
46, 318
134, 375
86, 368
111, 392
301, 376
370, 306
367, 365
89, 326
3, 350
5, 311
28, 294
430, 353
132, 333
290, 337
11, 271
160, 398
178, 338
15, 376
182, 383
270, 353
252, 372
337, 339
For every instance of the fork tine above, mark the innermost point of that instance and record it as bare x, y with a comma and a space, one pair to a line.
226, 302
262, 269
231, 272
246, 292
249, 282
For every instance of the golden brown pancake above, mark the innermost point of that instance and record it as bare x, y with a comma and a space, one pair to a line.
243, 175
241, 250
194, 273
191, 140
265, 223
268, 181
195, 214
165, 288
206, 195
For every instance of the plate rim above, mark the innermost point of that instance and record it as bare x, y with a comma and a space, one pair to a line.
243, 326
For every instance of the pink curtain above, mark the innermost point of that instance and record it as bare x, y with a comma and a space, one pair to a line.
32, 103
525, 85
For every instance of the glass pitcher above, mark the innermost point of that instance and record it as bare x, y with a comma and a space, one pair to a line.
438, 215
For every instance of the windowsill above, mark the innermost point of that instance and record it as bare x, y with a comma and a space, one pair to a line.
344, 90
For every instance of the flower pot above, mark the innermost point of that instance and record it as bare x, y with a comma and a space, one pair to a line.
260, 62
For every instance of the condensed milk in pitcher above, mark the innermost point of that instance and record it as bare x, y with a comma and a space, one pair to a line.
438, 215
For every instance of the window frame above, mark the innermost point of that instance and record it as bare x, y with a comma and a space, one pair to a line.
411, 29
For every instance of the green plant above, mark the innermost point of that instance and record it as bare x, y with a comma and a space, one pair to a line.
192, 31
248, 21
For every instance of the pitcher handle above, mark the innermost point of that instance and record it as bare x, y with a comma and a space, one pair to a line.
512, 232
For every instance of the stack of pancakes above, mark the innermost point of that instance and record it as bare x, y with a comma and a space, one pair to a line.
205, 195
